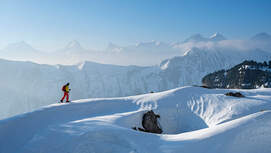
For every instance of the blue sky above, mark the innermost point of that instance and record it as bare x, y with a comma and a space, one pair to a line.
50, 24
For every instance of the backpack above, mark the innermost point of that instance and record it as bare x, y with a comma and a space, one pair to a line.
64, 88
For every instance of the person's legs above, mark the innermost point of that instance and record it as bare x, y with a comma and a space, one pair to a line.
63, 97
67, 98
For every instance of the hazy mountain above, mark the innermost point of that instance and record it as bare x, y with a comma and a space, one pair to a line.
199, 38
73, 47
142, 53
19, 48
217, 37
113, 48
196, 38
261, 37
20, 51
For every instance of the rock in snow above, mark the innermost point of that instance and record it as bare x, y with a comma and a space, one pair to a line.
150, 123
234, 94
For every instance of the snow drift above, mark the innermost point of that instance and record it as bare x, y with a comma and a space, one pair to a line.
193, 120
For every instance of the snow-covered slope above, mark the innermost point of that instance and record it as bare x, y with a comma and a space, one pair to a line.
27, 86
196, 63
194, 120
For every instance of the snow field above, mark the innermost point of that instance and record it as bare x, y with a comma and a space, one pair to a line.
193, 120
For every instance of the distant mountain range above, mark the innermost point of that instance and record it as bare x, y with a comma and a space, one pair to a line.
142, 53
199, 38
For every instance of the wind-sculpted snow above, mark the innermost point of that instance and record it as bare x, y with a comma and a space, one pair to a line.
26, 86
194, 120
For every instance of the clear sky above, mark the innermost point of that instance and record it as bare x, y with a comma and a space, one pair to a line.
50, 24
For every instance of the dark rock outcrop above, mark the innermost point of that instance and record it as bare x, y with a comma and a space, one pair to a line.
150, 123
236, 94
203, 86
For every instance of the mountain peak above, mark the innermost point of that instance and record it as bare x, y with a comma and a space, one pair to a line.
113, 48
22, 45
198, 38
263, 36
73, 45
149, 43
195, 38
217, 37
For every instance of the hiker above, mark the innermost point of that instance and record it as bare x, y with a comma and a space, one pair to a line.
66, 91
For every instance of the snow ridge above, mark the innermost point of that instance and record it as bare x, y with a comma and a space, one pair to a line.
104, 80
194, 120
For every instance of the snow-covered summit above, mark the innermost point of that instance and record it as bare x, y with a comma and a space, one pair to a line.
152, 43
113, 48
20, 51
196, 38
19, 46
199, 38
72, 49
75, 45
217, 37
